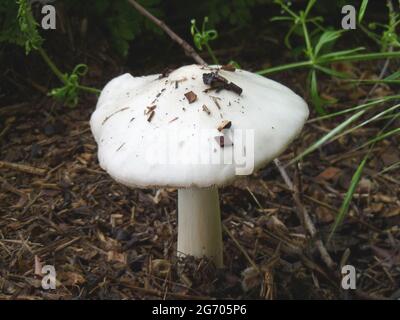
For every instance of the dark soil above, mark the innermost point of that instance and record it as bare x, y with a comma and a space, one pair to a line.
109, 242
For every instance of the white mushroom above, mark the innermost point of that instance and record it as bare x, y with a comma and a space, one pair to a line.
174, 130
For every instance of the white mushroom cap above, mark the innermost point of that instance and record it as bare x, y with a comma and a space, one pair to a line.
137, 149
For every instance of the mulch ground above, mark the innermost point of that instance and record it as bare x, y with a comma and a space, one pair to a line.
107, 241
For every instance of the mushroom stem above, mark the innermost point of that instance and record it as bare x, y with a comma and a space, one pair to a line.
199, 224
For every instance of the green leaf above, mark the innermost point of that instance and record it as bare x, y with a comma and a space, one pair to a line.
284, 18
393, 76
326, 37
317, 100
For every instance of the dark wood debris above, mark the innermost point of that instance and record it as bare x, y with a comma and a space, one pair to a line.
191, 96
120, 147
224, 141
205, 109
165, 73
114, 113
150, 109
225, 124
228, 67
177, 82
218, 83
150, 116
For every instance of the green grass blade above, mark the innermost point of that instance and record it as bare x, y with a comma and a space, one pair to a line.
393, 76
363, 9
328, 136
285, 67
380, 137
341, 53
316, 99
344, 209
375, 81
329, 59
359, 107
362, 57
364, 123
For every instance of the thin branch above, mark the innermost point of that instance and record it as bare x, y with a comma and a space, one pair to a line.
305, 217
22, 167
186, 46
253, 264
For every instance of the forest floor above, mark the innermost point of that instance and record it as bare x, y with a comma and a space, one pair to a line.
106, 241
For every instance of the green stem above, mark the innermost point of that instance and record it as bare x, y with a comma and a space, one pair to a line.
287, 9
52, 66
286, 67
322, 60
60, 75
307, 38
361, 57
89, 89
211, 53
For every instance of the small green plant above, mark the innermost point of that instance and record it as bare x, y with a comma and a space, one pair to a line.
28, 27
319, 54
203, 37
373, 110
316, 39
384, 34
32, 41
69, 92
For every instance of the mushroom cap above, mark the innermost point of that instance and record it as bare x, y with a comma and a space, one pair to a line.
150, 134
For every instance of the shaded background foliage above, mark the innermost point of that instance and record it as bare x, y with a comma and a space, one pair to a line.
88, 30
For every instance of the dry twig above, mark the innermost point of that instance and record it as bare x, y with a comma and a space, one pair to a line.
186, 46
22, 167
305, 217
